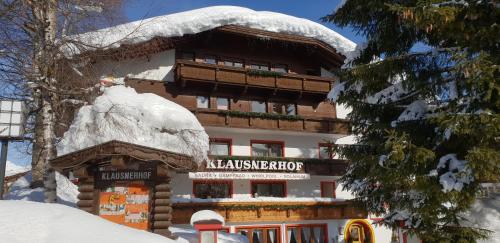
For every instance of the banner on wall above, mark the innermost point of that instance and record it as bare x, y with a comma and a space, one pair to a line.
126, 205
248, 176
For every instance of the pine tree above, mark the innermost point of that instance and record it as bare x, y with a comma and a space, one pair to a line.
424, 93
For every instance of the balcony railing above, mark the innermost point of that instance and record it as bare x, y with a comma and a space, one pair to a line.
237, 212
190, 70
217, 118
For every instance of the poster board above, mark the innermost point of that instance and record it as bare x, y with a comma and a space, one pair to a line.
126, 205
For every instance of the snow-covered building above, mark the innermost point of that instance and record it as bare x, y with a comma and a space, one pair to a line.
257, 82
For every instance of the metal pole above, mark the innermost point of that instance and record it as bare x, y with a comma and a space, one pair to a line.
3, 164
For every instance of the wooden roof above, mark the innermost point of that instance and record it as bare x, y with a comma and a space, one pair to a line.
95, 153
159, 44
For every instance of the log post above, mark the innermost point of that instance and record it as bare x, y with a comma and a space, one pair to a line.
162, 208
86, 196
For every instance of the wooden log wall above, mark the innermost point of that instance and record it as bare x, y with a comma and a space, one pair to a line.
161, 215
88, 196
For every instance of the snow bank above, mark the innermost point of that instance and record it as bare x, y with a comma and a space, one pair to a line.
206, 215
199, 20
28, 222
14, 169
67, 192
191, 236
120, 113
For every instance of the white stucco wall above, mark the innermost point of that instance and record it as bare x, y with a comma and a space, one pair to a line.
182, 187
297, 144
158, 66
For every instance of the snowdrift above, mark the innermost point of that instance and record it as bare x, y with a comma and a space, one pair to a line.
28, 222
67, 192
120, 113
199, 20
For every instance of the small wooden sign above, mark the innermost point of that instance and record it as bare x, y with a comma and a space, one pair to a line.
108, 176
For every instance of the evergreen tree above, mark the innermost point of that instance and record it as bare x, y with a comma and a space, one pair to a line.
424, 93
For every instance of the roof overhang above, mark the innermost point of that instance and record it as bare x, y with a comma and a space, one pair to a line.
95, 154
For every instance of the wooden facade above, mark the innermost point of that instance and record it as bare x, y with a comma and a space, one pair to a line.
252, 212
311, 116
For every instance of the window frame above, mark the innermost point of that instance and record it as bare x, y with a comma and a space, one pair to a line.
283, 182
266, 108
223, 61
208, 101
209, 56
331, 154
299, 226
282, 104
250, 228
228, 103
281, 65
228, 182
222, 140
282, 143
322, 188
259, 64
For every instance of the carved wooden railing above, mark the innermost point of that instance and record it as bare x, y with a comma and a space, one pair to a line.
190, 70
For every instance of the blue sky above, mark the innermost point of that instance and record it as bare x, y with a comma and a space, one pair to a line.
139, 9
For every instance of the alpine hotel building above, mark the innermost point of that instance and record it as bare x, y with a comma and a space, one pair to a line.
261, 97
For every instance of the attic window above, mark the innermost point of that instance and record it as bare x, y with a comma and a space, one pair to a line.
263, 67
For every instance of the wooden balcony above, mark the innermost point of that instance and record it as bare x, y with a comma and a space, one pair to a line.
194, 71
238, 212
217, 118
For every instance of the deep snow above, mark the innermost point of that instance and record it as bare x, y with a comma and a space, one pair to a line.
30, 222
199, 20
120, 113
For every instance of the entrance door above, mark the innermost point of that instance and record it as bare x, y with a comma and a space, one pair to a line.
358, 234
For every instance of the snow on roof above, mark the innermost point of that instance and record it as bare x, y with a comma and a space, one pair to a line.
203, 19
122, 114
13, 169
206, 215
27, 222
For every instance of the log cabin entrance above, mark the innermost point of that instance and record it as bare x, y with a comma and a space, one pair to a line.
126, 183
359, 231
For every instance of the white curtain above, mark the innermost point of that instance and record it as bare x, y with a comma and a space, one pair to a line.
318, 234
271, 235
306, 234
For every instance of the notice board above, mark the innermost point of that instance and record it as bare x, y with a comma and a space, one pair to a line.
126, 205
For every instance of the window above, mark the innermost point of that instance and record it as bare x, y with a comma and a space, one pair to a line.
325, 151
258, 106
268, 189
285, 109
233, 63
187, 56
202, 101
280, 68
267, 149
306, 234
222, 103
261, 234
328, 189
263, 67
219, 146
210, 59
212, 189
